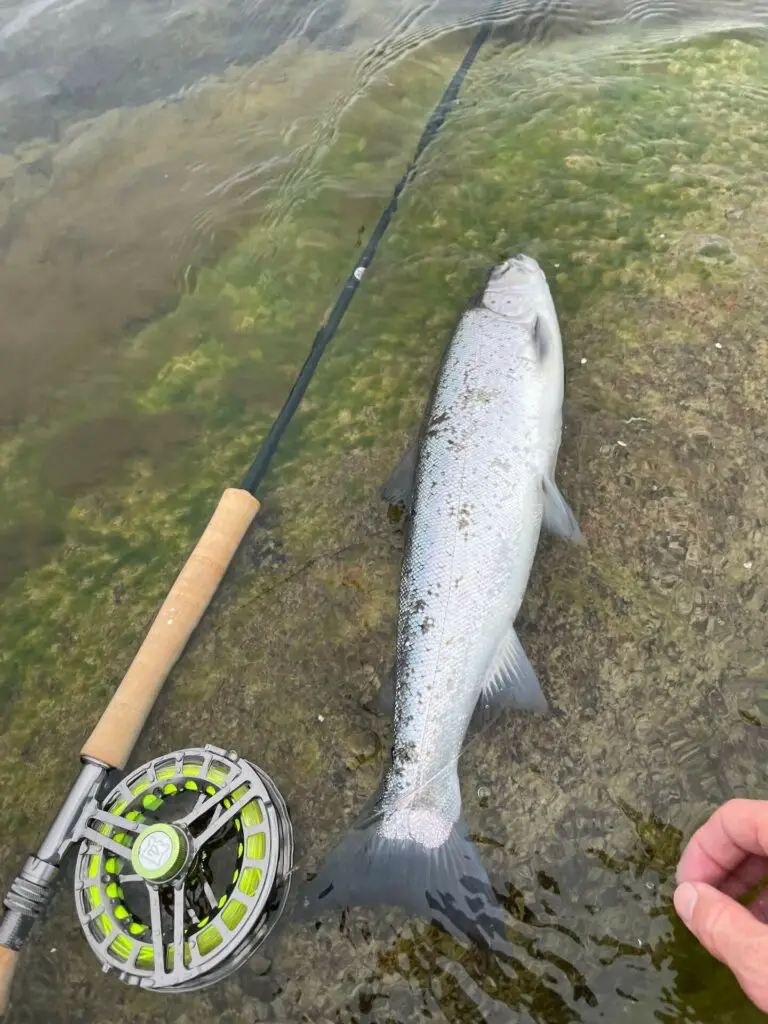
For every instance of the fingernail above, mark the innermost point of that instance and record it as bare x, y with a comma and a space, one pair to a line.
685, 900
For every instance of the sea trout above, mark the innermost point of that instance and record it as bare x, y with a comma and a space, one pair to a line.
479, 484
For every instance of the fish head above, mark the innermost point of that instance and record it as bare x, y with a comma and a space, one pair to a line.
515, 289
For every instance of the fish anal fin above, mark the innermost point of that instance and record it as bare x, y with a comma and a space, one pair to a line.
510, 682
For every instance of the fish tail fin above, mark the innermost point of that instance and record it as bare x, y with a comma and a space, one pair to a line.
382, 862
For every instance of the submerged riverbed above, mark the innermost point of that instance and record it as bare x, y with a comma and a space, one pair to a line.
635, 172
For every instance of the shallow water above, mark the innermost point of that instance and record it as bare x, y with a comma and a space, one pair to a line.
166, 263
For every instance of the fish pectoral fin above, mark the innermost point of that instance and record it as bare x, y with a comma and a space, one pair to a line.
398, 490
511, 682
542, 340
558, 517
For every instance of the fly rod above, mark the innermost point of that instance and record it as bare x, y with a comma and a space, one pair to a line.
89, 819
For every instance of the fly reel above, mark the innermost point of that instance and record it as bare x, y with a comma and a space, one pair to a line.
183, 869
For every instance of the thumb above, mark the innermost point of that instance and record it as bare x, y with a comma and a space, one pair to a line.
730, 932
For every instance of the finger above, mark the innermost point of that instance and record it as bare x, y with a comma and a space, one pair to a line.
736, 830
730, 933
745, 876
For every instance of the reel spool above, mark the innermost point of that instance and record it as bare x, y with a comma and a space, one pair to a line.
184, 869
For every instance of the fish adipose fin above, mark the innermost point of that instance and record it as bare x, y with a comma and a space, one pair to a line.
398, 490
510, 683
380, 863
558, 517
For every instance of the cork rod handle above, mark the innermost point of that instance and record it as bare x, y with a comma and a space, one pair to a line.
8, 958
117, 730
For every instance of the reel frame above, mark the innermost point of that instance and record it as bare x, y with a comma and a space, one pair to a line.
168, 861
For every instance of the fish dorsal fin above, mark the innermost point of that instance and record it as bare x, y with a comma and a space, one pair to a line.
510, 681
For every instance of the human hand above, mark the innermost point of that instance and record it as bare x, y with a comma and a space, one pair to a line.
726, 858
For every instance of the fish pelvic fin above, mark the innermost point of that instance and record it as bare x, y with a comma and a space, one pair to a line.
510, 683
382, 862
558, 517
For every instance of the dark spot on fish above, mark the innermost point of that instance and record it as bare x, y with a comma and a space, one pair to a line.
407, 751
402, 755
427, 624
